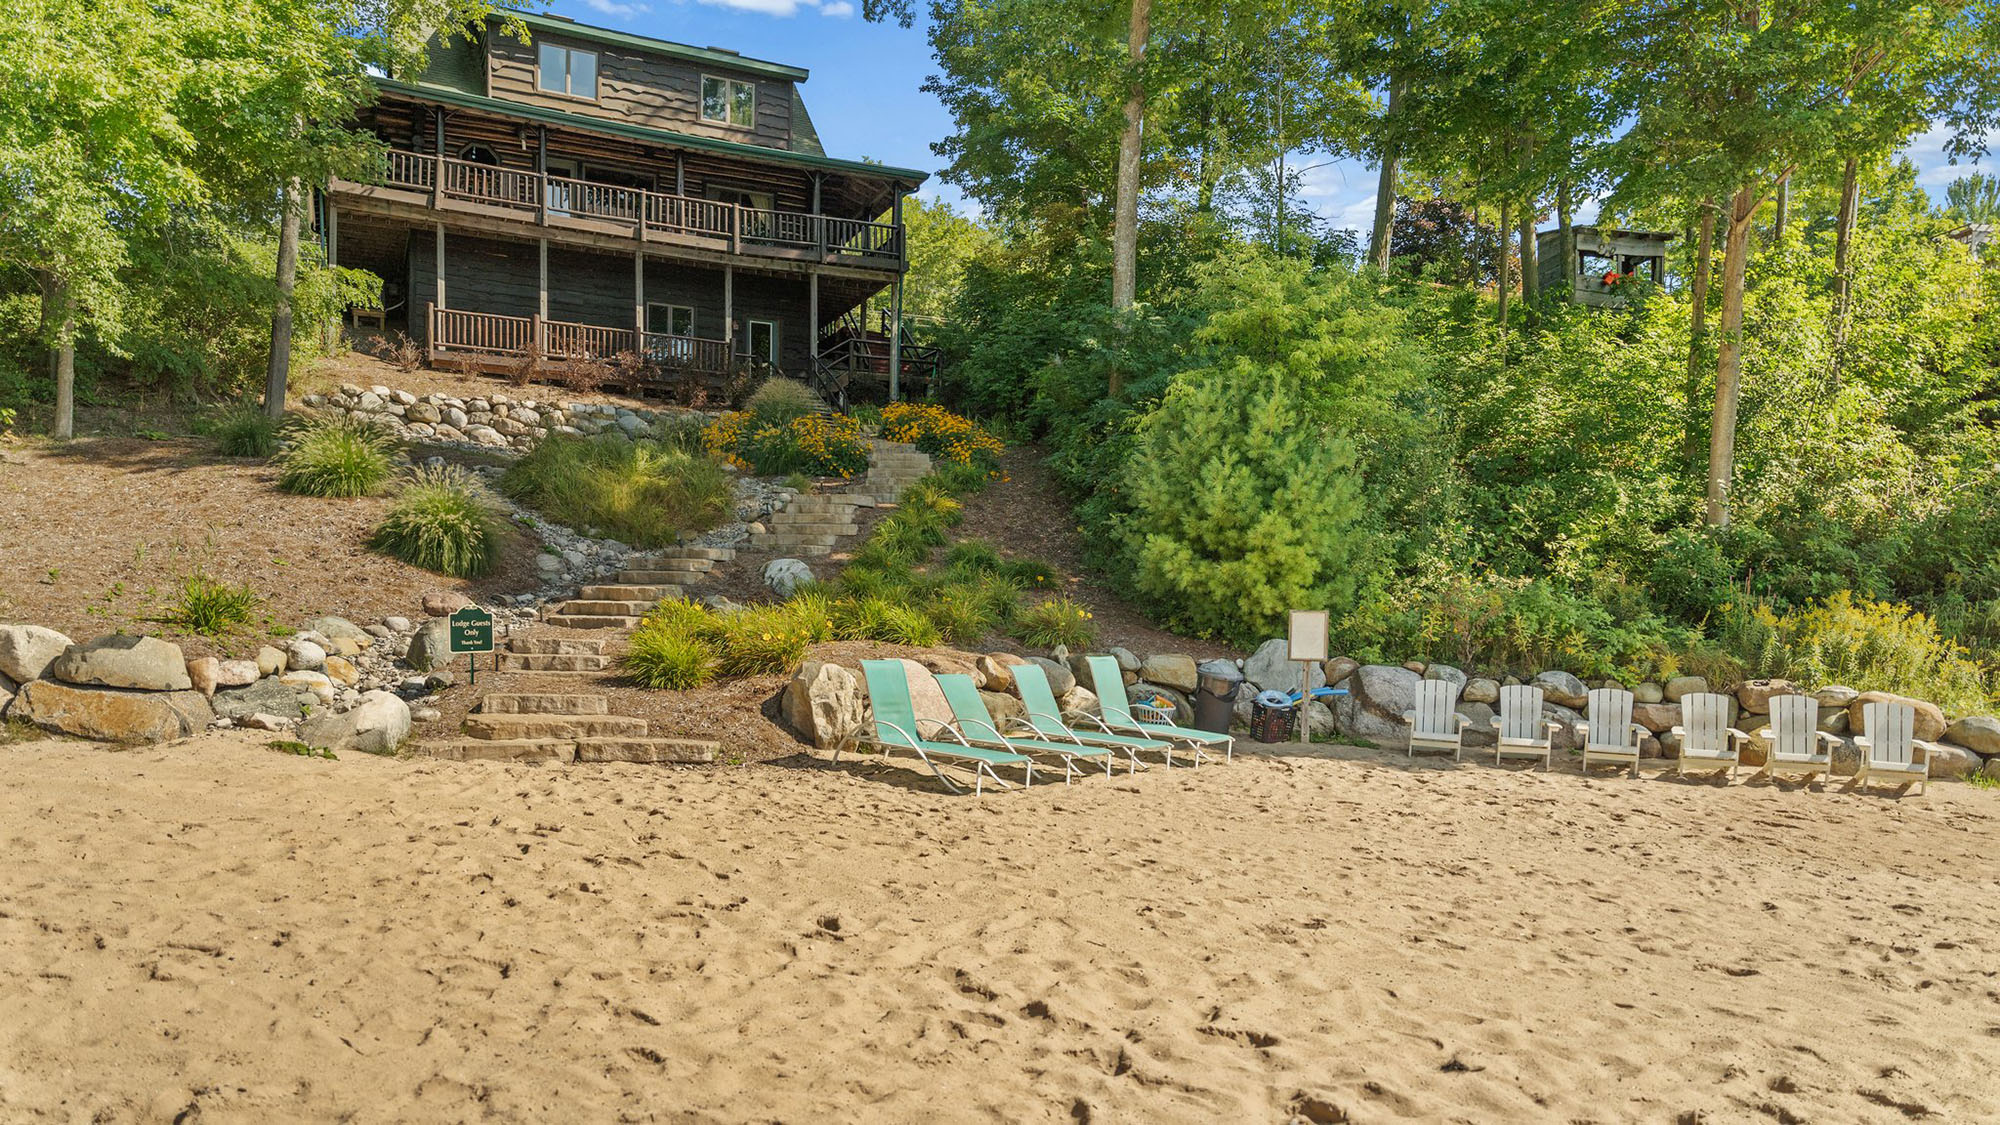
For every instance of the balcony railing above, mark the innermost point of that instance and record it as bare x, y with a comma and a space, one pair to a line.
647, 215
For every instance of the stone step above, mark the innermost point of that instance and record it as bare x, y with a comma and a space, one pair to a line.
590, 621
808, 550
805, 530
552, 727
628, 593
555, 662
647, 750
540, 703
557, 646
713, 554
660, 577
780, 541
588, 607
810, 519
818, 504
507, 750
691, 566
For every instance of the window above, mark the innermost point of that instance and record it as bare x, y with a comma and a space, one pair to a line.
760, 341
566, 70
728, 101
669, 320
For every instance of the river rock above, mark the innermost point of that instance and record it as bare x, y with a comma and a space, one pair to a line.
1930, 724
1377, 696
335, 628
1079, 699
111, 715
1479, 689
785, 576
1562, 689
1979, 733
1003, 706
377, 723
342, 671
1835, 695
1648, 692
1270, 669
822, 703
146, 663
270, 661
236, 673
1991, 768
269, 696
202, 672
26, 651
1169, 669
302, 655
431, 646
1128, 661
1684, 685
996, 670
1755, 695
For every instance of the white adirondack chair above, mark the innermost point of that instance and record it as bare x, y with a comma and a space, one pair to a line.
1890, 747
1523, 732
1795, 744
1436, 723
1609, 734
1706, 737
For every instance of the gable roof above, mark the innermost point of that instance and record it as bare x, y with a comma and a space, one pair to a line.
706, 56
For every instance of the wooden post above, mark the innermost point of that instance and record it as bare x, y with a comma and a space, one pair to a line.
1305, 702
332, 230
542, 201
439, 263
542, 278
812, 315
680, 175
729, 309
437, 156
638, 300
896, 341
902, 248
819, 226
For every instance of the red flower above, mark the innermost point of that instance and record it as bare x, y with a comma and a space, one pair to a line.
1612, 277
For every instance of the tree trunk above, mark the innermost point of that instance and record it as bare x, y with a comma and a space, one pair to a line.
1385, 183
1125, 207
1843, 264
1704, 259
1505, 268
1783, 209
1729, 358
59, 329
1566, 226
1531, 278
289, 203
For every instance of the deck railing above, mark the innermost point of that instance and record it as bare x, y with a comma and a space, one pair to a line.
648, 214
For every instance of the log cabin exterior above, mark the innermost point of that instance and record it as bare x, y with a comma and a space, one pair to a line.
590, 193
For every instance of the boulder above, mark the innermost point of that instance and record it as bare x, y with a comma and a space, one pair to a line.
1321, 717
1128, 661
270, 661
1338, 669
1657, 717
1377, 695
822, 703
270, 696
1564, 739
146, 663
443, 603
1684, 685
1061, 679
1954, 763
236, 673
1835, 695
994, 670
1479, 689
112, 715
926, 697
1930, 724
335, 628
1991, 768
342, 671
1004, 706
376, 724
1448, 674
202, 673
1755, 695
1481, 732
7, 690
1648, 692
1979, 733
302, 655
1833, 720
431, 646
26, 651
1562, 689
960, 663
315, 682
785, 576
1079, 699
397, 624
1270, 669
1169, 669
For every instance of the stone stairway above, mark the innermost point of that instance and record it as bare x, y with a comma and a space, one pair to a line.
892, 467
619, 605
561, 726
812, 525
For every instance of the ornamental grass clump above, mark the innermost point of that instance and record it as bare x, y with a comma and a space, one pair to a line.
644, 493
443, 522
244, 431
668, 659
760, 640
335, 456
1057, 621
778, 400
210, 606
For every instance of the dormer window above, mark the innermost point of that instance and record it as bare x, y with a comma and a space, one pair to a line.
727, 101
567, 71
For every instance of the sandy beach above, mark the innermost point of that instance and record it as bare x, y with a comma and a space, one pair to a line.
213, 931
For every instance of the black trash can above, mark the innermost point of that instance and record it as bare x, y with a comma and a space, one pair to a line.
1217, 683
1271, 717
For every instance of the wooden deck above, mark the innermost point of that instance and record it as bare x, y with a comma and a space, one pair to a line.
493, 344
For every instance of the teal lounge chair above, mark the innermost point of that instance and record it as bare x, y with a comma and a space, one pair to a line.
896, 728
975, 723
1046, 719
1110, 684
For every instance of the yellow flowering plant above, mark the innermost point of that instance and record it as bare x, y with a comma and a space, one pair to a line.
946, 436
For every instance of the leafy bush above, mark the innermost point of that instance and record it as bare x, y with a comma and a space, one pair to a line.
1866, 644
244, 431
760, 640
819, 445
962, 612
778, 400
443, 522
678, 615
908, 625
950, 438
638, 492
666, 658
210, 606
335, 455
1057, 621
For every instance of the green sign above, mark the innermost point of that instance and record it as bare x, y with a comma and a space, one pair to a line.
471, 630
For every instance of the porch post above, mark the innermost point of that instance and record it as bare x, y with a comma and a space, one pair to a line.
332, 230
680, 175
896, 341
542, 197
437, 156
812, 315
729, 309
819, 225
439, 256
542, 278
638, 300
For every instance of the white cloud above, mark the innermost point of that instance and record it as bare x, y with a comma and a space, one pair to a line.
615, 8
838, 9
767, 7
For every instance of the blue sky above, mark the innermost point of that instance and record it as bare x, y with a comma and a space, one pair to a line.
866, 98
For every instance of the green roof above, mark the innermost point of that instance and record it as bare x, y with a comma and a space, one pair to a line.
708, 56
612, 127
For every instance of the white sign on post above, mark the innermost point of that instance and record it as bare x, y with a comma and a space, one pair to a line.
1306, 637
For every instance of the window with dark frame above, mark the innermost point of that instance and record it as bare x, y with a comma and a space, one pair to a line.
566, 70
728, 101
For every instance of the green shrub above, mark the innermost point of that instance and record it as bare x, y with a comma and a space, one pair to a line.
778, 400
244, 431
760, 640
963, 612
1031, 574
812, 613
1057, 621
443, 522
678, 615
908, 625
335, 455
861, 619
973, 556
908, 534
670, 659
639, 492
210, 606
1866, 644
